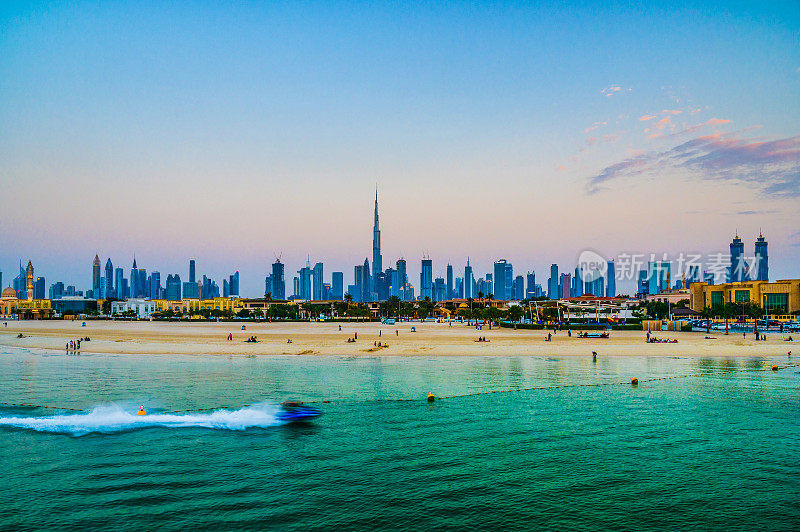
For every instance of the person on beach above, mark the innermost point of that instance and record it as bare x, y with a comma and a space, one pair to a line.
396, 332
594, 356
230, 336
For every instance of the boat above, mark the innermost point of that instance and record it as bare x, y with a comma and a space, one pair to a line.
294, 411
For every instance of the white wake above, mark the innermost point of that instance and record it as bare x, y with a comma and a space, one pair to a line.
113, 418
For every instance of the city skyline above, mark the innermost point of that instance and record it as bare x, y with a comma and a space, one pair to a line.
491, 133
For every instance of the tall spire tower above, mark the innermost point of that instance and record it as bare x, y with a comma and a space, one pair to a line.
377, 260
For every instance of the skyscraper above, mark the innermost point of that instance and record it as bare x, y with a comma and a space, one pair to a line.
565, 288
134, 283
377, 260
469, 281
337, 286
192, 278
449, 294
738, 268
319, 284
552, 283
761, 259
530, 290
519, 287
426, 279
439, 289
305, 281
233, 284
366, 286
611, 282
503, 278
278, 281
109, 278
39, 288
96, 277
174, 287
402, 279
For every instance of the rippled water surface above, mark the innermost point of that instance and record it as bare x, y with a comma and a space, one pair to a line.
712, 452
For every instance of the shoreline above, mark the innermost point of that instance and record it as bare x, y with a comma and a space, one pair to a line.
325, 339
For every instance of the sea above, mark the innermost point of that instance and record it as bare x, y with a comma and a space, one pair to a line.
509, 443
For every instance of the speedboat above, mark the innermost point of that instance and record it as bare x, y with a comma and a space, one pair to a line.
293, 411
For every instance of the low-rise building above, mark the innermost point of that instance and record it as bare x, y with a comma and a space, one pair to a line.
138, 308
778, 297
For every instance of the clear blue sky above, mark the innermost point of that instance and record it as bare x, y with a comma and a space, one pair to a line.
529, 131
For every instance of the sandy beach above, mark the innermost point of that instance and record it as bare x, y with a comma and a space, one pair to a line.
430, 339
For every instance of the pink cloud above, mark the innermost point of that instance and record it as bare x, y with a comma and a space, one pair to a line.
646, 117
718, 121
671, 111
661, 124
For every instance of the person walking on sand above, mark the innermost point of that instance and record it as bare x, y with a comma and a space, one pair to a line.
230, 336
594, 356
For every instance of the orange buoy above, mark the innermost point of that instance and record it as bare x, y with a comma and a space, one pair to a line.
431, 397
774, 368
141, 412
634, 381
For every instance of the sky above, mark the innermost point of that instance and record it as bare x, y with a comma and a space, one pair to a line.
234, 133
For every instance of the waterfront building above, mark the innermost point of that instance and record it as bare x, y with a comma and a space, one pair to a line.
426, 279
278, 282
317, 292
140, 308
611, 281
737, 271
761, 259
337, 286
377, 259
173, 287
776, 298
469, 281
553, 291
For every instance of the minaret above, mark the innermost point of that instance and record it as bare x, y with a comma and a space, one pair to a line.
30, 281
377, 261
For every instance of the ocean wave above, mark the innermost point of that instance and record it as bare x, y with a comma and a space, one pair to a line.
114, 418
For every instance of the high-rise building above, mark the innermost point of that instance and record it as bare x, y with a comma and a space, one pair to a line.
56, 290
153, 286
174, 287
226, 288
658, 276
761, 259
519, 287
449, 281
19, 283
552, 283
96, 277
119, 283
565, 290
39, 288
469, 281
503, 277
426, 279
366, 287
109, 288
459, 288
192, 278
233, 284
577, 282
439, 289
134, 283
402, 278
318, 282
359, 280
737, 271
278, 281
296, 287
611, 286
377, 260
337, 286
530, 290
305, 281
693, 275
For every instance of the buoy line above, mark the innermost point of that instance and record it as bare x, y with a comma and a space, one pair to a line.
430, 396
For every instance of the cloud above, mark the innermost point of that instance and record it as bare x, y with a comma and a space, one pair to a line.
771, 165
718, 121
671, 112
748, 213
661, 124
595, 126
610, 91
646, 117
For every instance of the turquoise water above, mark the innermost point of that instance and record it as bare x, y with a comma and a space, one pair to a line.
713, 452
